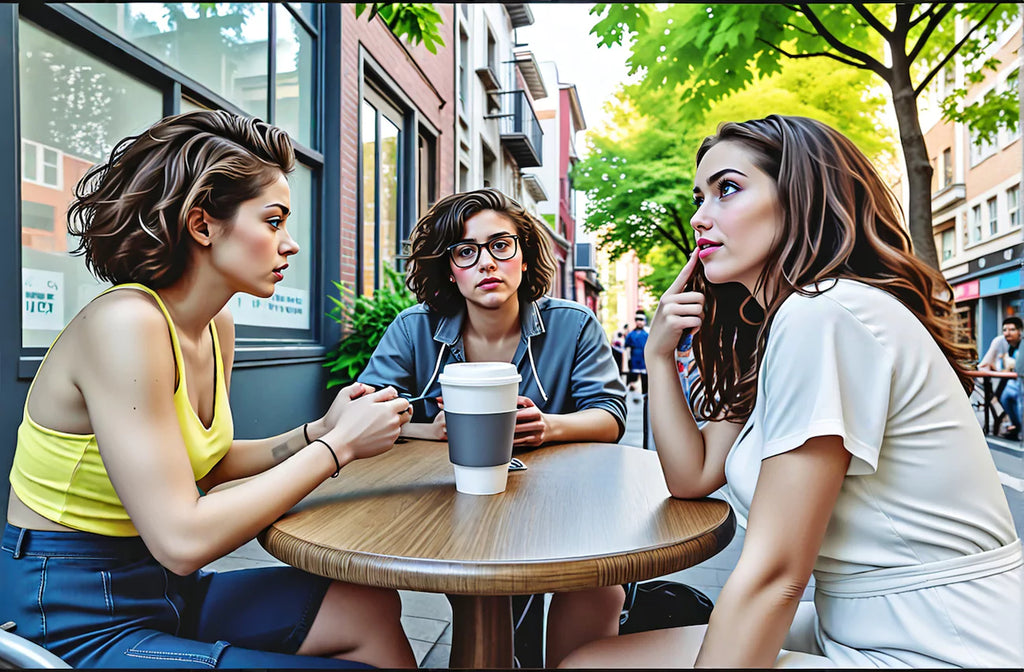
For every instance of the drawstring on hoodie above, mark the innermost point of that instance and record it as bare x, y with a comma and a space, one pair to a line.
437, 366
536, 376
529, 352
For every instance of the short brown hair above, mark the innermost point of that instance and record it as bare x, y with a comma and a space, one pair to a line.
130, 211
443, 225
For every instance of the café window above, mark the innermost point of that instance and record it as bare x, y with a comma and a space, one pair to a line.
382, 165
75, 105
74, 108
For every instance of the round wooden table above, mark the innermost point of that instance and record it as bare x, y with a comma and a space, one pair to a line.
582, 515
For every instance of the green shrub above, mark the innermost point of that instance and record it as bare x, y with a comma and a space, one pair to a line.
363, 319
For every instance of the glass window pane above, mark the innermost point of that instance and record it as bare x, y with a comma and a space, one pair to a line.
223, 45
189, 105
390, 143
74, 108
306, 9
368, 134
293, 109
290, 306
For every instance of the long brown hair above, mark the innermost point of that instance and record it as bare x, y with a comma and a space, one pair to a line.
839, 220
130, 211
428, 269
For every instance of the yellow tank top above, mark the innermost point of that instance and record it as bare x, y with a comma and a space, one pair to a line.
61, 476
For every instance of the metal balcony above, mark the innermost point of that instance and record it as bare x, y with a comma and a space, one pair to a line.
519, 129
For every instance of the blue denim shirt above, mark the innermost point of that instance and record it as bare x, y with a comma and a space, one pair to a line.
563, 356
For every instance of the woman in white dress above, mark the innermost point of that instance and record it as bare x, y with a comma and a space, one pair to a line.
838, 416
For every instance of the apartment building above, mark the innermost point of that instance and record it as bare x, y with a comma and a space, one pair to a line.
976, 200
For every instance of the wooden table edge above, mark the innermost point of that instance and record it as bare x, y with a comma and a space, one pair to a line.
494, 577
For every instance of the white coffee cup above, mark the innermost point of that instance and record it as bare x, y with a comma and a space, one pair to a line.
480, 419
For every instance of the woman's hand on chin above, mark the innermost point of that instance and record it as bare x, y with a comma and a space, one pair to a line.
678, 312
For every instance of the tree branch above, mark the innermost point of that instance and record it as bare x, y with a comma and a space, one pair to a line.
952, 52
868, 62
669, 237
923, 15
872, 20
933, 23
677, 221
815, 54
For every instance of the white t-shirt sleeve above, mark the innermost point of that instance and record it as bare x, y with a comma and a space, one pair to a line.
825, 374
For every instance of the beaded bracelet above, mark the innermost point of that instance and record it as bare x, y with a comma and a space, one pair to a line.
333, 454
305, 434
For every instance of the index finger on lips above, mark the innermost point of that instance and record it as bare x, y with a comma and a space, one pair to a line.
684, 276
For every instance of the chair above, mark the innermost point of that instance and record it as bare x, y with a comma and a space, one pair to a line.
18, 653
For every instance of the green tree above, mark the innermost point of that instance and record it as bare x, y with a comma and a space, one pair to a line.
416, 22
707, 52
638, 173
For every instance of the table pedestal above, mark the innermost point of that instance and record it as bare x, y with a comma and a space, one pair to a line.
481, 632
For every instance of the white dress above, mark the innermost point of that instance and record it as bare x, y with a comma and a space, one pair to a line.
920, 565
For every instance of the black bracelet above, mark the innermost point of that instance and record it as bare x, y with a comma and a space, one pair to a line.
333, 454
305, 434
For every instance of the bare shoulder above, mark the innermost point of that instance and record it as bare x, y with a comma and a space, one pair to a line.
125, 327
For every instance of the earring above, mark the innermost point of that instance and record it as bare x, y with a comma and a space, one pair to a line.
451, 278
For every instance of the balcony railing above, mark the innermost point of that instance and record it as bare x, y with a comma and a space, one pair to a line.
519, 129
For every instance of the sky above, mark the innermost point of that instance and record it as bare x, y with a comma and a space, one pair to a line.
560, 33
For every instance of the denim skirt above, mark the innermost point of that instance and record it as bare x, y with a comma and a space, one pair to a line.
100, 601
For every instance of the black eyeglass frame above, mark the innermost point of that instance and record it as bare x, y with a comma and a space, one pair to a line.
476, 257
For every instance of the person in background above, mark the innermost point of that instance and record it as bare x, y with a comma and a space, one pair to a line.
635, 341
619, 350
481, 266
835, 396
127, 423
1001, 356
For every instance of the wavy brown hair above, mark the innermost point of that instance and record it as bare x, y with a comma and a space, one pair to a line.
839, 220
130, 211
428, 270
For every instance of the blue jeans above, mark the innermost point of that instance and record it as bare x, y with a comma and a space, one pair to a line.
100, 601
1010, 400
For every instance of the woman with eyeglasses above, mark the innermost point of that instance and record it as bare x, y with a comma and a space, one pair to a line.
480, 266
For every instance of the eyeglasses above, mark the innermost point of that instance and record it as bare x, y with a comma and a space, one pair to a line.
466, 254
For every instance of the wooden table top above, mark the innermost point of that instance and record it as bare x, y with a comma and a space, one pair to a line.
581, 515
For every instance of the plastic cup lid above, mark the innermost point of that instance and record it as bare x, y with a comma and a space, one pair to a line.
479, 374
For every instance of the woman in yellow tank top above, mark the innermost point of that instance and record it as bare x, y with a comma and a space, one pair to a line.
127, 423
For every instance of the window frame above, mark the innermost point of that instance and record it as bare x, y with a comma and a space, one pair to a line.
254, 345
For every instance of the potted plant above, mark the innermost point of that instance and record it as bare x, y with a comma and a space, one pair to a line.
363, 320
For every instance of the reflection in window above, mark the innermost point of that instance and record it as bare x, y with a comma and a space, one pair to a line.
382, 141
224, 46
948, 237
368, 229
73, 109
293, 109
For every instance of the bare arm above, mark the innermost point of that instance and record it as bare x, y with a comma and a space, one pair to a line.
793, 502
126, 375
693, 460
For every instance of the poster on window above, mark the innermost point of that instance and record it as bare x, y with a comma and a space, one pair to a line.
288, 308
42, 299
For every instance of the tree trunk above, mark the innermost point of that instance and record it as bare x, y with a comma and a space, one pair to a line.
919, 169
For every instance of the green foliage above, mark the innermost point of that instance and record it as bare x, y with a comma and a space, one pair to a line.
365, 319
638, 173
706, 53
416, 22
